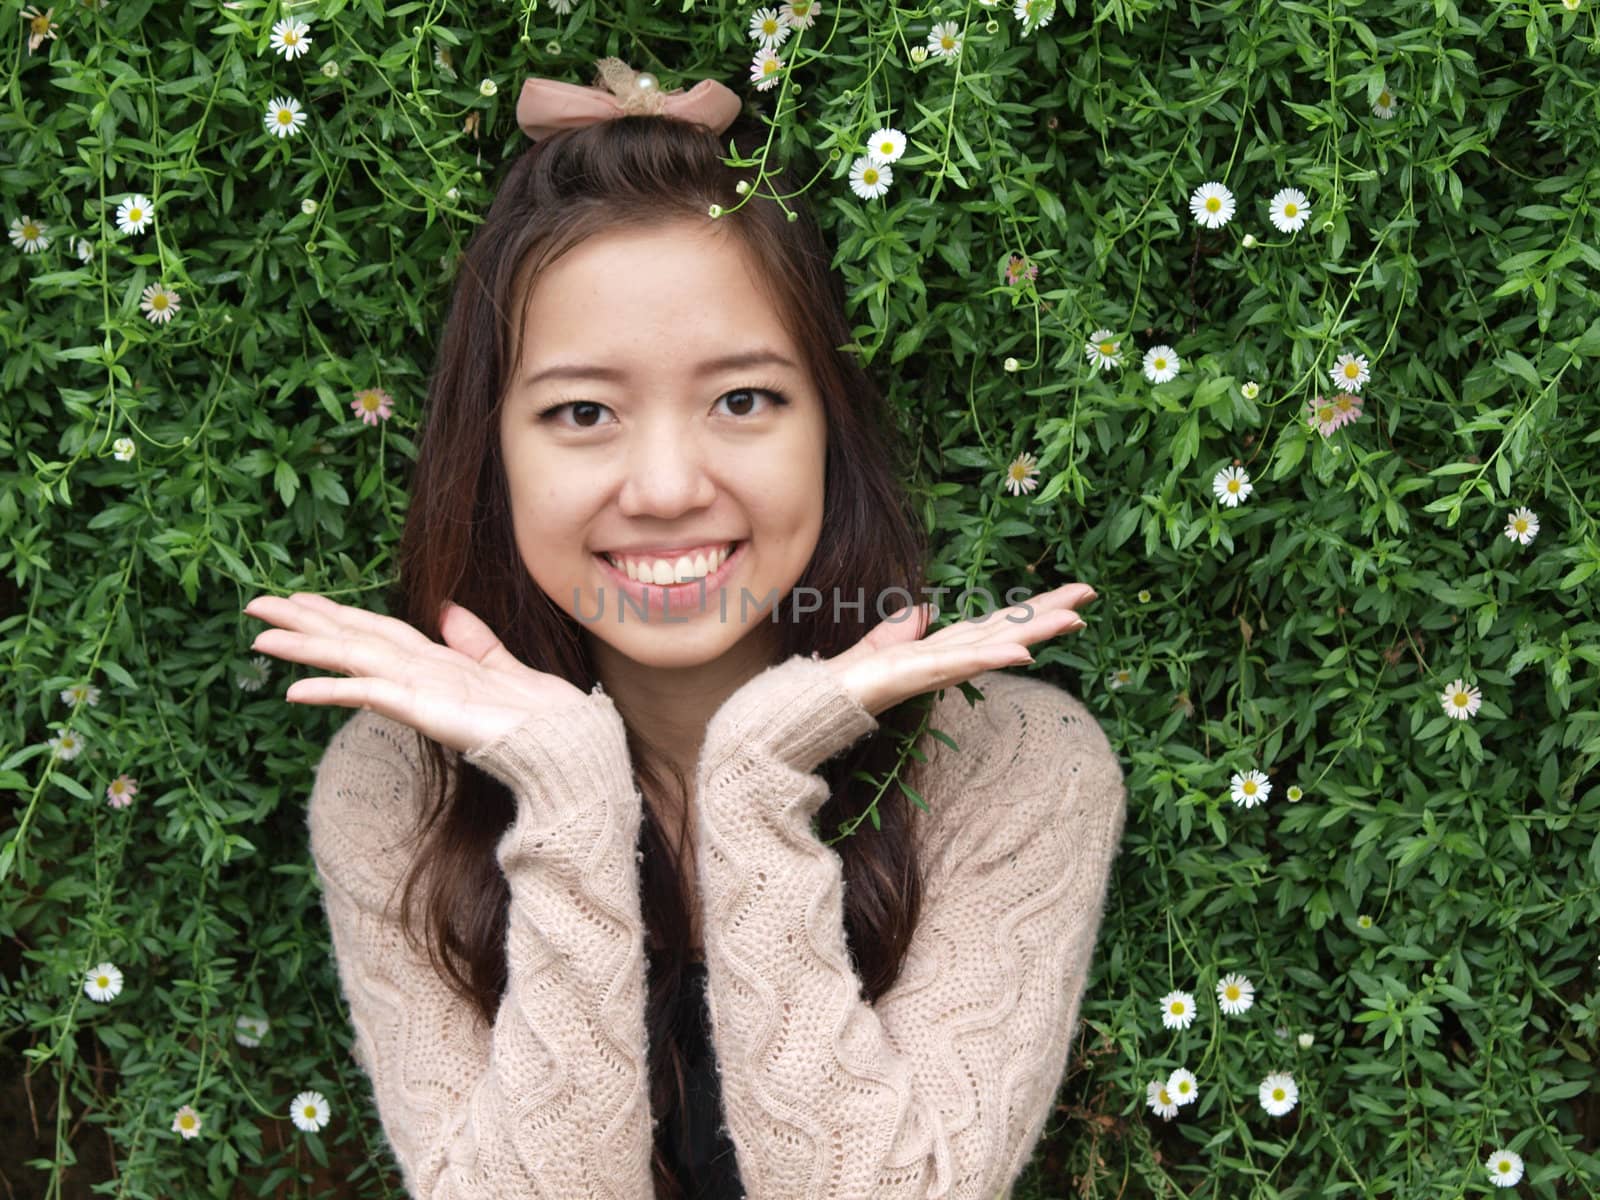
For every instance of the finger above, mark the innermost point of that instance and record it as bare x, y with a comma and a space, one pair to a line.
463, 631
348, 616
1013, 625
904, 625
337, 652
379, 695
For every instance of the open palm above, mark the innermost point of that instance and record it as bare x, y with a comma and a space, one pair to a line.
895, 662
463, 694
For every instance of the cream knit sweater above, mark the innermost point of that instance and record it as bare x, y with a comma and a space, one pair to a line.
941, 1089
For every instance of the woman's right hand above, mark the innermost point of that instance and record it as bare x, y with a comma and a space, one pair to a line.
462, 694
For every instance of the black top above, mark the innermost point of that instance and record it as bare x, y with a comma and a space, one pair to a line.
707, 1169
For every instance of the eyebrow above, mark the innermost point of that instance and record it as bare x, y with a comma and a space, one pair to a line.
711, 366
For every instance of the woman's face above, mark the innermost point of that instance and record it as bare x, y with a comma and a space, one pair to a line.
629, 431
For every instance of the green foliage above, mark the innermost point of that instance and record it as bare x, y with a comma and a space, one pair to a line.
1426, 912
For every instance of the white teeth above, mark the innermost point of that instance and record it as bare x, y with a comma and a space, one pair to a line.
662, 573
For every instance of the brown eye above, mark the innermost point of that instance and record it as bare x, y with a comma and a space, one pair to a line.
744, 401
585, 415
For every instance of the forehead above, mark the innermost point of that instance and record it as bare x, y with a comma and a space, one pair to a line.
665, 291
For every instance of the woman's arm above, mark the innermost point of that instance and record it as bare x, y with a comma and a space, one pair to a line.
943, 1087
552, 1100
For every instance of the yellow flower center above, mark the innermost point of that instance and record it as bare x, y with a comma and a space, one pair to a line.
1108, 347
135, 215
186, 1121
1325, 413
1383, 99
1232, 991
1351, 370
1177, 1008
1503, 1165
769, 27
311, 1112
947, 42
1290, 209
1233, 486
869, 176
801, 9
158, 301
1161, 364
1166, 1097
285, 117
1277, 1093
30, 232
1461, 699
768, 67
1520, 525
1249, 784
885, 147
1213, 204
40, 24
102, 981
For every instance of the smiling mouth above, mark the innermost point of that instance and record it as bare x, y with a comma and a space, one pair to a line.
645, 572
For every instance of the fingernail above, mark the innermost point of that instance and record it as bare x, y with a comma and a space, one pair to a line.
1091, 597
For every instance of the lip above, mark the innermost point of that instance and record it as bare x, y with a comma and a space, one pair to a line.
671, 551
656, 600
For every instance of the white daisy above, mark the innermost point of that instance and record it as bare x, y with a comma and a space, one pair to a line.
1021, 474
1250, 789
444, 61
1232, 486
29, 235
1120, 678
562, 7
123, 449
1250, 390
1212, 205
158, 304
487, 87
40, 26
309, 1111
291, 37
1349, 371
886, 145
1012, 364
1522, 526
1033, 14
1460, 701
1235, 994
1183, 1087
83, 250
765, 69
283, 116
134, 213
308, 206
186, 1123
255, 675
67, 745
1278, 1093
870, 179
802, 14
1160, 1099
1504, 1167
248, 1031
330, 69
1177, 1010
1384, 105
1161, 364
81, 693
944, 40
918, 54
769, 27
1294, 794
1289, 210
1305, 1041
1103, 350
103, 983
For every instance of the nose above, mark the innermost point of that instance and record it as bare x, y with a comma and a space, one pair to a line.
666, 474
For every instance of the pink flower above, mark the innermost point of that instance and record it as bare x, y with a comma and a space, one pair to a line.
372, 405
121, 791
1326, 414
1347, 409
1019, 268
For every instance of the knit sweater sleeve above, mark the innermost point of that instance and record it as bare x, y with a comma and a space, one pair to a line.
552, 1098
941, 1088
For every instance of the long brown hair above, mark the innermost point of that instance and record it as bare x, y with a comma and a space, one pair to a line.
641, 172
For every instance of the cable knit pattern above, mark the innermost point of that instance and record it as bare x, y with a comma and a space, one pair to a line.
941, 1089
553, 1101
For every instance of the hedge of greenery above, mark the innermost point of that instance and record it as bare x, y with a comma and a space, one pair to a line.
215, 396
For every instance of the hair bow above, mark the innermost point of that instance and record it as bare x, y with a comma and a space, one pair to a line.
547, 106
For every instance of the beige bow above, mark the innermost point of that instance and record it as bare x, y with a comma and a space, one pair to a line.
548, 105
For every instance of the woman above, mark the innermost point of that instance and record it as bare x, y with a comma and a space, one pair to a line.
656, 576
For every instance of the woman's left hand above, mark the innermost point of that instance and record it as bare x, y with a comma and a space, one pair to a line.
895, 662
